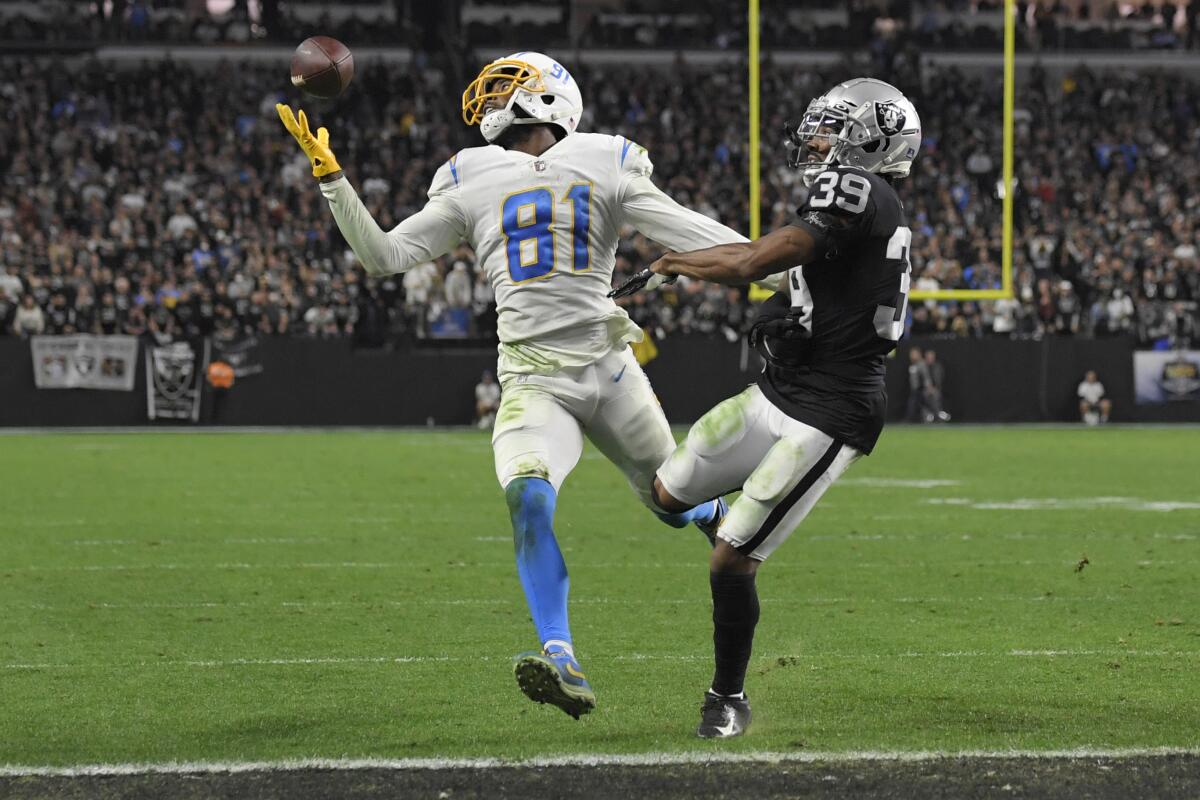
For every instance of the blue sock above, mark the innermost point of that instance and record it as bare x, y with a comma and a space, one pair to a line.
701, 513
540, 564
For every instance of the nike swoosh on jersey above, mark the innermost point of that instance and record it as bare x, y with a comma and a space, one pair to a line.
617, 377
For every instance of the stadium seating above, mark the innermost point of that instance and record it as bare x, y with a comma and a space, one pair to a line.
134, 203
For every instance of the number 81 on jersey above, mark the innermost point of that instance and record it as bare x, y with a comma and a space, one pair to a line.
527, 219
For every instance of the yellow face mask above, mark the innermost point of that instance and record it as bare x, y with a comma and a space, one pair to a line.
519, 74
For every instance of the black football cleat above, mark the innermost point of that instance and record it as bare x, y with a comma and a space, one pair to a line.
723, 717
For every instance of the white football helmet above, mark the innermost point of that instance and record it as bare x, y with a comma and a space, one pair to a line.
542, 90
869, 124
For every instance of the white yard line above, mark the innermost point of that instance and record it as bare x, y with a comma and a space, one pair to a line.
665, 657
897, 483
1066, 504
1083, 536
695, 565
89, 605
600, 760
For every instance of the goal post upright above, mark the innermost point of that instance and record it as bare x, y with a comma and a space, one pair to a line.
755, 84
1006, 168
757, 293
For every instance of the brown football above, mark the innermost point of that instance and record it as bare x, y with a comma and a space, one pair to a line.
322, 66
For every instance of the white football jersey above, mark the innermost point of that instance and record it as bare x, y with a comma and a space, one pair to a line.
545, 230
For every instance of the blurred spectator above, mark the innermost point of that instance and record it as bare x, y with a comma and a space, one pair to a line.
936, 375
487, 401
29, 319
918, 385
884, 29
9, 284
458, 286
1094, 407
8, 309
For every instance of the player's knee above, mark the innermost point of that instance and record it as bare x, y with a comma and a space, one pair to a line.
727, 560
527, 465
663, 499
531, 503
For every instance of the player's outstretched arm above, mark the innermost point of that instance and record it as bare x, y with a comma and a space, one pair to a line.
433, 231
656, 215
743, 262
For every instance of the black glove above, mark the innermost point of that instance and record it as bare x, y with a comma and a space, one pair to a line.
635, 283
778, 334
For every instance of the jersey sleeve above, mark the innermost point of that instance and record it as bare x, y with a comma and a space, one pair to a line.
447, 181
433, 231
632, 159
655, 215
847, 206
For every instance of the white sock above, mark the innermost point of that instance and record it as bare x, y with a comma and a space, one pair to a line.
561, 645
739, 696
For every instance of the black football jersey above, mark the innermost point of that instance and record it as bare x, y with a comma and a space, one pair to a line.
843, 312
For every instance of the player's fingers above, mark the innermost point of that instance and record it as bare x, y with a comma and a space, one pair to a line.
286, 117
304, 131
323, 136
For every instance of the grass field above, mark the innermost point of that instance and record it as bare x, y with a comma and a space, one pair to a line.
267, 596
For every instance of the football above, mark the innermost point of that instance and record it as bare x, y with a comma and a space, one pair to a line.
322, 67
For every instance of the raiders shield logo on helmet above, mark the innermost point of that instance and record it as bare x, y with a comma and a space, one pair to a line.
890, 118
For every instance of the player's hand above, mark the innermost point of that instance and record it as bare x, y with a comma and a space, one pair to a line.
315, 147
642, 280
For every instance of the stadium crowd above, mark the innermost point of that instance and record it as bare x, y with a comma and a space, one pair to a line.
824, 24
163, 202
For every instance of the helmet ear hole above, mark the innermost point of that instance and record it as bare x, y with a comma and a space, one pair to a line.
871, 147
547, 99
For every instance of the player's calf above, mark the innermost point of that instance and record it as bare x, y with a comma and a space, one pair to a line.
540, 564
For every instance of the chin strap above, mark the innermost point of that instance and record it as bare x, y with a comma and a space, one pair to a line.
497, 122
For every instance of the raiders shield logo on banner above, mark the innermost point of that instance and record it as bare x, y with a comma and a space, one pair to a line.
890, 118
173, 379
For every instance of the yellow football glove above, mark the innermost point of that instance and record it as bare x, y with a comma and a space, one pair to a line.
315, 147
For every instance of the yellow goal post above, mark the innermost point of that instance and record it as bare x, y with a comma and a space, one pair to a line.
1006, 256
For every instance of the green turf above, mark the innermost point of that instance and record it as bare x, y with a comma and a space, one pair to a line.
137, 570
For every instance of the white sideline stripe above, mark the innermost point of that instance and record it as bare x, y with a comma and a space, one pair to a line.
791, 659
600, 760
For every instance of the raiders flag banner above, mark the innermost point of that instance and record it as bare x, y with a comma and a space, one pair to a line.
84, 362
174, 378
